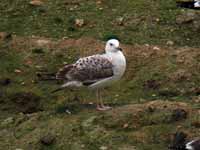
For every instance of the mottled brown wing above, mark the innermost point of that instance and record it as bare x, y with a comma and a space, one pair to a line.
61, 74
88, 70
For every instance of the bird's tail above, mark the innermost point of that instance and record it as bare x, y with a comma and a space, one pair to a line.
69, 85
58, 89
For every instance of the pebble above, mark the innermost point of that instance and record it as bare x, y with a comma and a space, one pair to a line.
79, 22
156, 48
103, 148
170, 43
120, 21
36, 3
17, 71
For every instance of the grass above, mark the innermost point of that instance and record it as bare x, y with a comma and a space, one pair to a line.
155, 25
149, 73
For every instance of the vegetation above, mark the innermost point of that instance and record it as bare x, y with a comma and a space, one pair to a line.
161, 81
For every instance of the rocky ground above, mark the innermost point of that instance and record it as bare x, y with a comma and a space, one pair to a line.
158, 97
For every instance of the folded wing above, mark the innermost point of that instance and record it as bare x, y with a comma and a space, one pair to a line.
87, 70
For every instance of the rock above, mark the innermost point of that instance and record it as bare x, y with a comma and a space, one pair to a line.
178, 114
156, 48
125, 125
36, 3
8, 121
103, 148
120, 20
170, 43
48, 139
25, 102
17, 71
186, 17
79, 22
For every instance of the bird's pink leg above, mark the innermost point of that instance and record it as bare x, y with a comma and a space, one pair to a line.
100, 104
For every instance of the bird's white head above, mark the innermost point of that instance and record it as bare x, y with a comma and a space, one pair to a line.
197, 4
112, 46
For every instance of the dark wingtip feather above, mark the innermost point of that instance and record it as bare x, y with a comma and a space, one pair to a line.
63, 71
56, 90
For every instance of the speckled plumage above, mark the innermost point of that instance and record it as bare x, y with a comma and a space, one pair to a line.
193, 145
96, 71
87, 70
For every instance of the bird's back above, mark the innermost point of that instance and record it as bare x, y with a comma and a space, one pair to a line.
87, 69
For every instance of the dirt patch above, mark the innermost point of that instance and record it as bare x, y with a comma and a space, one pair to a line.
25, 102
140, 115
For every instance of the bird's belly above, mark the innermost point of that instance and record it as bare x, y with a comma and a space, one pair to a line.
103, 83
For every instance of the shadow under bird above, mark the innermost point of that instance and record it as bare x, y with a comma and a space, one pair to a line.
95, 72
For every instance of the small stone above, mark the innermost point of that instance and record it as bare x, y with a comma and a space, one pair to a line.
82, 146
17, 71
18, 149
120, 21
23, 83
65, 63
156, 48
79, 22
157, 19
170, 43
103, 148
48, 139
36, 3
154, 95
125, 125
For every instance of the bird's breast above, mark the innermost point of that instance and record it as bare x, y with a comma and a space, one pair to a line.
119, 65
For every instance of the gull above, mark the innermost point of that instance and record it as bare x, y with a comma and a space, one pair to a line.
193, 145
95, 72
197, 3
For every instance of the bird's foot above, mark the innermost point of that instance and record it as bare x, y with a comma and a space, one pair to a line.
103, 108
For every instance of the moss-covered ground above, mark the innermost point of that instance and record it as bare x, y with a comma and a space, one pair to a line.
162, 76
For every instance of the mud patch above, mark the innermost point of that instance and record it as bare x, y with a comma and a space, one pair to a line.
25, 102
140, 115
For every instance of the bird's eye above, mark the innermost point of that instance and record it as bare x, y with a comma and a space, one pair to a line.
111, 44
